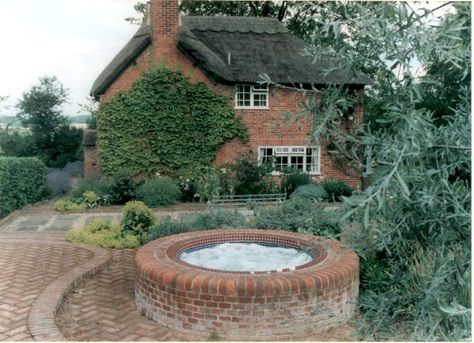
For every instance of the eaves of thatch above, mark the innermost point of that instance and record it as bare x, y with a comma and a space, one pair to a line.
240, 50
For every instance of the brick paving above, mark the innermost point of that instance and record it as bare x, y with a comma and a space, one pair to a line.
34, 255
103, 308
27, 267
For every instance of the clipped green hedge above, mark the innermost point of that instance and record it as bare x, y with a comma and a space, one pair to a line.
22, 182
164, 122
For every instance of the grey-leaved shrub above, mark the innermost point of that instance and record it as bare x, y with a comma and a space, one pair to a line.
311, 192
159, 192
299, 215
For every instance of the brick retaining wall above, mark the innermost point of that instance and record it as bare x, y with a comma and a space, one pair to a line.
260, 306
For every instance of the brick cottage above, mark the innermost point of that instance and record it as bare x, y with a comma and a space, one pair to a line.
230, 54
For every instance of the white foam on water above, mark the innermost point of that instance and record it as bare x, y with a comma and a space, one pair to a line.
246, 257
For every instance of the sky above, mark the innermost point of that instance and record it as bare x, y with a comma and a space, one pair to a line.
71, 39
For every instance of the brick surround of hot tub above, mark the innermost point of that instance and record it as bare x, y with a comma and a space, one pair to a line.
276, 305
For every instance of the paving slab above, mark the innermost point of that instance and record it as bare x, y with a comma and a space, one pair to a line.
63, 223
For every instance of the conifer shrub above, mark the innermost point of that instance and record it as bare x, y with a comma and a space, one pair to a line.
137, 219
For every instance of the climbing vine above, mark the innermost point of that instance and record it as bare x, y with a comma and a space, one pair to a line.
164, 123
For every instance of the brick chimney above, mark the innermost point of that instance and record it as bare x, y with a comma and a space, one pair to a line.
165, 22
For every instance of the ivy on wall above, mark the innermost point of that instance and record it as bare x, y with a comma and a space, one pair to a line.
164, 122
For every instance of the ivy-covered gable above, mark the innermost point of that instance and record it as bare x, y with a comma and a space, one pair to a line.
164, 122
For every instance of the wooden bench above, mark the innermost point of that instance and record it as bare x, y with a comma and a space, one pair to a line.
247, 199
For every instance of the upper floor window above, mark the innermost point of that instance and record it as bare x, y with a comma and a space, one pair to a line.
251, 96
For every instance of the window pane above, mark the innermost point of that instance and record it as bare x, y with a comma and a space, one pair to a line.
312, 160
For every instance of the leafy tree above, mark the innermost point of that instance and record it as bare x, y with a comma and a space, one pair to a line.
301, 17
413, 221
90, 107
54, 141
142, 11
40, 107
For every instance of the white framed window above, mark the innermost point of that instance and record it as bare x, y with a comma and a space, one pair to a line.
251, 96
304, 158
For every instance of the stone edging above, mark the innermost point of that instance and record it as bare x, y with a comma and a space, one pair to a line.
41, 319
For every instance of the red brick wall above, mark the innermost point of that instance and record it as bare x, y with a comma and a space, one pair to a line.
280, 305
266, 127
90, 161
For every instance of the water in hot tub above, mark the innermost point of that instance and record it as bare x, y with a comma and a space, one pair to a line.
246, 257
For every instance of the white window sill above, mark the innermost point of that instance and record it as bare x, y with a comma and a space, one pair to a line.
275, 173
251, 108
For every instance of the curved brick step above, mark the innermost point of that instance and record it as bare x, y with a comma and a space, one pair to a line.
41, 320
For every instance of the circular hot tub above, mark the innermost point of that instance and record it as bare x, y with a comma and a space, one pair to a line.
287, 302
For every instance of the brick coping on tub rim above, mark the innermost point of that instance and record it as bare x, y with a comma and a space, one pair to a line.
332, 265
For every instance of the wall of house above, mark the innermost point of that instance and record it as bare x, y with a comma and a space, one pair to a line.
272, 127
267, 127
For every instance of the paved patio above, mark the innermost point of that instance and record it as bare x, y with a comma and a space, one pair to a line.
40, 270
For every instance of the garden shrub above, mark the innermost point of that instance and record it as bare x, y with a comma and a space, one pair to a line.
103, 234
16, 144
175, 124
293, 180
62, 147
22, 182
336, 189
299, 215
252, 178
158, 192
58, 182
101, 187
65, 205
227, 179
168, 227
123, 190
219, 219
137, 219
206, 221
207, 185
311, 192
90, 199
188, 189
74, 169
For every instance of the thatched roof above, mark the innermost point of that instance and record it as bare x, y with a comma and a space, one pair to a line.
252, 45
132, 50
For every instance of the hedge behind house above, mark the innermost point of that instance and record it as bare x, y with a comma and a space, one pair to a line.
22, 182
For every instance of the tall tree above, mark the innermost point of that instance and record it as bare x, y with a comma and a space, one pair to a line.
413, 221
40, 107
40, 110
301, 17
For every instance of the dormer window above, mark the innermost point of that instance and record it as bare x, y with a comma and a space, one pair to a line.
251, 96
